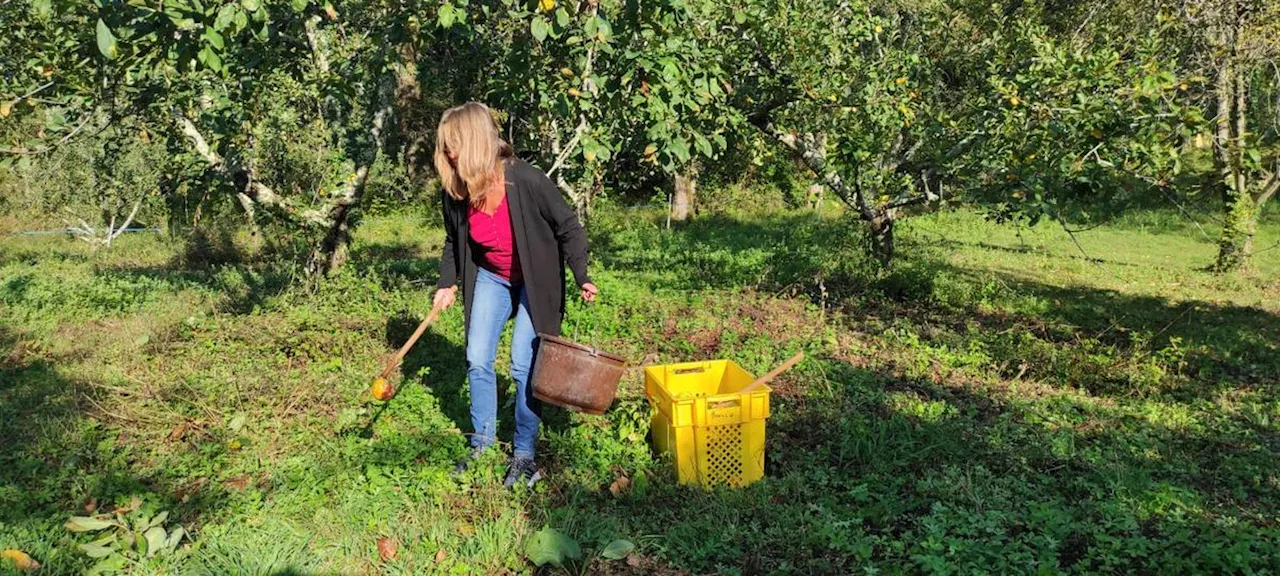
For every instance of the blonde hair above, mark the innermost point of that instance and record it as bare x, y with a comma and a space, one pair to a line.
469, 131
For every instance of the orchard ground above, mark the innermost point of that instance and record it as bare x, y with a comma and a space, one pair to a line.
997, 402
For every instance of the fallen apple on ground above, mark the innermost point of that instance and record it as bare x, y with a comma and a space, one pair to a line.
382, 390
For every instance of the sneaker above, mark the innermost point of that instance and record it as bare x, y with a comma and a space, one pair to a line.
522, 470
473, 454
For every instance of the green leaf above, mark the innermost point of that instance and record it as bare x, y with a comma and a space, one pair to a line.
226, 16
87, 524
237, 423
702, 144
562, 17
156, 540
299, 5
550, 546
211, 59
618, 549
106, 541
158, 520
55, 119
539, 28
140, 544
42, 8
112, 563
446, 15
96, 551
213, 38
251, 5
174, 538
739, 16
640, 483
1254, 154
107, 41
680, 148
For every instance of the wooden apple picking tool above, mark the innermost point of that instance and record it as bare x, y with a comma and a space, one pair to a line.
761, 381
381, 388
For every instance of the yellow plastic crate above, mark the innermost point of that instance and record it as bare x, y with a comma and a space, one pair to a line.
715, 434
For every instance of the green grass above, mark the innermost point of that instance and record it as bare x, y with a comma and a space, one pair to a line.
997, 402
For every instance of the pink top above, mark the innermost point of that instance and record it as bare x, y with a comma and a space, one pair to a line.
495, 242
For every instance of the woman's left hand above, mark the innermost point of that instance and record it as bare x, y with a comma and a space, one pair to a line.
589, 292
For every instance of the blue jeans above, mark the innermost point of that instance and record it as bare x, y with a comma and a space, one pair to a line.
490, 308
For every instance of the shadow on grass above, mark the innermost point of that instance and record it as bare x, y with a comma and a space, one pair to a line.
60, 459
1105, 341
240, 288
440, 366
435, 363
396, 264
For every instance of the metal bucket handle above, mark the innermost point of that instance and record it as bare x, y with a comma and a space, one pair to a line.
595, 350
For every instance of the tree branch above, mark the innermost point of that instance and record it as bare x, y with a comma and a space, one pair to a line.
815, 160
1268, 190
193, 134
112, 235
586, 86
563, 152
331, 250
50, 147
33, 92
909, 201
247, 185
1067, 229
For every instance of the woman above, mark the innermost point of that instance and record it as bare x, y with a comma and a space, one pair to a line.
508, 236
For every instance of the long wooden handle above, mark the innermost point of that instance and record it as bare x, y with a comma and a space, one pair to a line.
761, 381
431, 317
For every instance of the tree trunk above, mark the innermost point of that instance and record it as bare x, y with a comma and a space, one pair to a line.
1238, 229
881, 237
331, 251
1223, 141
591, 189
1237, 234
682, 204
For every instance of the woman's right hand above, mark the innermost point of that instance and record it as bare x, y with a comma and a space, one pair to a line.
445, 297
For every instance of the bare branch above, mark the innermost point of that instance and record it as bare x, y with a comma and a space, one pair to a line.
563, 152
50, 147
33, 92
113, 235
815, 159
587, 86
908, 201
330, 252
202, 147
249, 186
1067, 229
1268, 190
1085, 23
894, 149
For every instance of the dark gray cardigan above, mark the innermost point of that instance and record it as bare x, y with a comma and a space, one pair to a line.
547, 236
